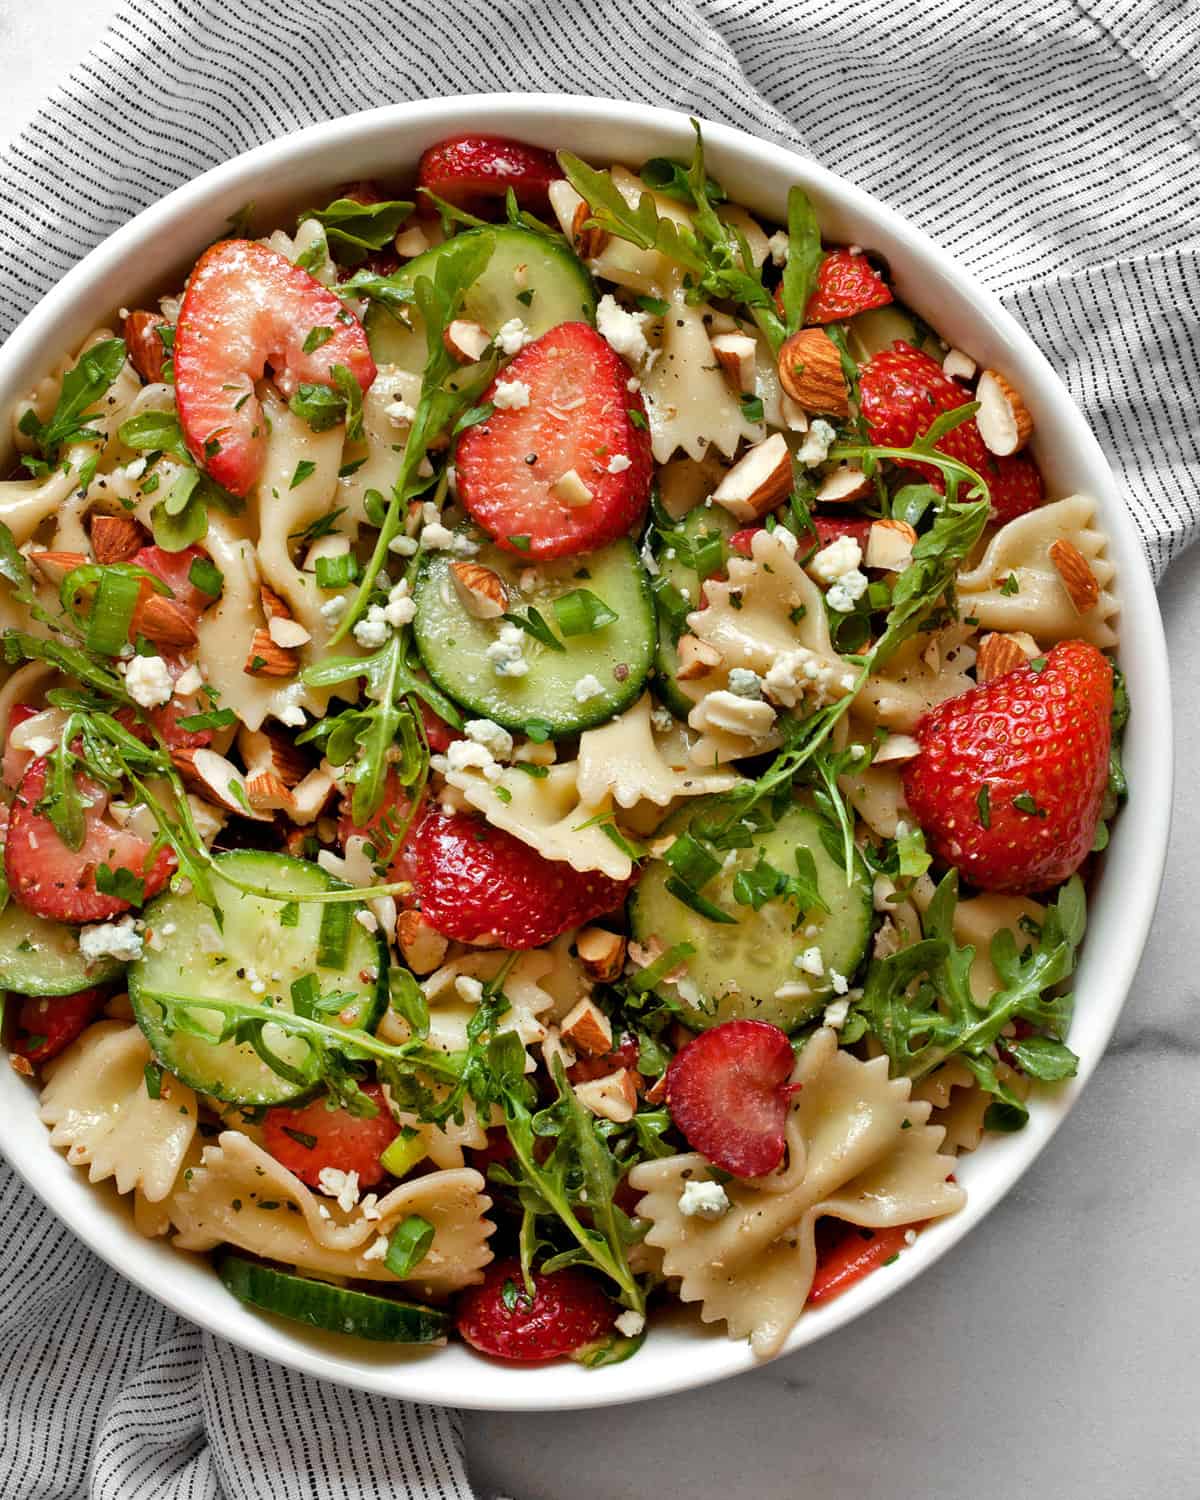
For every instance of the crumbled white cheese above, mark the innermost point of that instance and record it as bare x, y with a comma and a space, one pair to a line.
343, 1186
149, 681
373, 630
399, 413
633, 385
136, 469
367, 920
662, 719
836, 1012
486, 732
843, 555
290, 714
119, 940
506, 654
399, 609
624, 331
811, 962
745, 683
403, 546
510, 395
840, 983
630, 1323
333, 609
462, 754
511, 337
778, 246
436, 537
618, 463
191, 682
701, 1199
817, 442
377, 1249
587, 688
847, 591
468, 988
370, 1209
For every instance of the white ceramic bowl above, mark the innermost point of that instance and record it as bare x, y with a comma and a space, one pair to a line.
154, 250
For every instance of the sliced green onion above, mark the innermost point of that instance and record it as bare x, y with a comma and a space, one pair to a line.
692, 862
337, 572
116, 599
580, 612
653, 973
334, 937
408, 1245
404, 1153
698, 903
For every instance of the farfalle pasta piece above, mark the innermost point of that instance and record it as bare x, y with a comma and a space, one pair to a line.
626, 761
925, 670
381, 450
1040, 603
877, 795
960, 1104
859, 1149
240, 1195
767, 617
977, 920
100, 1113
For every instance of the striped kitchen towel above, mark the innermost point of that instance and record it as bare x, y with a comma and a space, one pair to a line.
1051, 145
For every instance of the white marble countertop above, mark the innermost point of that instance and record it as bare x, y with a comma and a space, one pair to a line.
1051, 1354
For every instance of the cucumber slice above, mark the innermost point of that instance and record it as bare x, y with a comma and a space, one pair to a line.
870, 332
740, 970
529, 276
697, 527
258, 948
335, 1309
43, 958
453, 644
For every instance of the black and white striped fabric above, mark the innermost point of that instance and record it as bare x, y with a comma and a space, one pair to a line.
1051, 145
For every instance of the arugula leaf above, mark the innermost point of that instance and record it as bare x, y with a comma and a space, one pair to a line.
83, 386
670, 177
803, 259
157, 431
353, 230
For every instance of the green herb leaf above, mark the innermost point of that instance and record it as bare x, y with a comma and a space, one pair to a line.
356, 229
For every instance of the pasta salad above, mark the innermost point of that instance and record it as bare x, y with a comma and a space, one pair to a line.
552, 743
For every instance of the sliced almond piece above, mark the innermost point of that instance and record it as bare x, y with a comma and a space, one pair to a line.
657, 1091
588, 240
601, 952
889, 545
696, 658
482, 592
412, 240
165, 623
810, 371
843, 484
897, 747
959, 366
613, 1097
571, 490
115, 538
759, 481
466, 341
997, 655
792, 415
1027, 644
587, 1028
273, 606
266, 659
269, 749
1003, 420
54, 566
218, 780
310, 795
423, 946
1081, 584
143, 344
289, 634
736, 354
268, 793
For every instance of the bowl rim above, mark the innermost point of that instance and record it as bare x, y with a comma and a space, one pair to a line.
1139, 844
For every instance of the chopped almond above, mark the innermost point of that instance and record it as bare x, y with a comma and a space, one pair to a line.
997, 655
310, 795
1003, 419
1081, 584
54, 566
273, 606
289, 634
759, 481
959, 366
116, 538
411, 241
268, 793
736, 354
466, 341
843, 484
588, 1029
143, 344
217, 779
696, 658
266, 659
889, 545
810, 371
482, 591
571, 490
269, 749
162, 621
588, 240
601, 952
423, 946
613, 1097
897, 747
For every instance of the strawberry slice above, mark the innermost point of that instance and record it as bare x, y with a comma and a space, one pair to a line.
623, 1055
47, 877
381, 830
313, 1137
902, 391
727, 1090
1011, 775
1015, 485
247, 306
567, 1311
519, 472
847, 283
846, 1253
473, 879
47, 1025
470, 170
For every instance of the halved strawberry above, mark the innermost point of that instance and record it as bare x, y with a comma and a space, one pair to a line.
624, 1054
727, 1090
471, 169
519, 472
902, 391
47, 1024
1011, 775
47, 877
246, 307
473, 879
567, 1310
847, 283
312, 1137
1015, 485
382, 830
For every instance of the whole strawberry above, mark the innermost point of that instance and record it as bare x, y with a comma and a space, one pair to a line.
1011, 775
